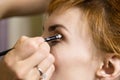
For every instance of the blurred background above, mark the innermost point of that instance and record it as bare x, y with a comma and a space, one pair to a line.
13, 28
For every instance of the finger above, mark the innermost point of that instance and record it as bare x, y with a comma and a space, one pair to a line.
45, 64
33, 74
31, 61
50, 72
41, 53
25, 47
34, 60
22, 68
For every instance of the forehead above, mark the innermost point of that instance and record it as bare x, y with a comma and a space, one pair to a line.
73, 15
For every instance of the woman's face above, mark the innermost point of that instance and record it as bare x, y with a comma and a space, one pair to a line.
75, 54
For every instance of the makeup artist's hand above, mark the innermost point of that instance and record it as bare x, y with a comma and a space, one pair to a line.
10, 8
22, 61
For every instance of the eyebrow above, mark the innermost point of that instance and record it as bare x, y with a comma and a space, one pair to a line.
55, 26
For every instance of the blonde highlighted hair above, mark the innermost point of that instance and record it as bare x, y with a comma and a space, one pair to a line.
103, 17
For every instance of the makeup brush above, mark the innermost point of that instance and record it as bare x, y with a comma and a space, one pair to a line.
57, 36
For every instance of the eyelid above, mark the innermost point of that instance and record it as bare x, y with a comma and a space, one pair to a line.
57, 40
56, 26
57, 30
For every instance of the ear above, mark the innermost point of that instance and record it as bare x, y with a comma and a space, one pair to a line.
110, 68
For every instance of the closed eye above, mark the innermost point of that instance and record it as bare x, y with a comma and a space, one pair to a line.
54, 42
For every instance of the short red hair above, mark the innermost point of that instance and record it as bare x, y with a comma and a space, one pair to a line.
103, 17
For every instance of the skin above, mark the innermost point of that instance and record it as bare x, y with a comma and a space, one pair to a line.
9, 8
27, 51
75, 54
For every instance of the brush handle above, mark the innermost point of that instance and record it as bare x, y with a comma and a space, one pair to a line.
58, 36
4, 52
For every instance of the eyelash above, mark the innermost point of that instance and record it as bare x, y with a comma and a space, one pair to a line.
53, 43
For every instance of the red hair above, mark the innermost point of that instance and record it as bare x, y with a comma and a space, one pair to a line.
103, 17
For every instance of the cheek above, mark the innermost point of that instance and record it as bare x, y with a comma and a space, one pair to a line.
72, 54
